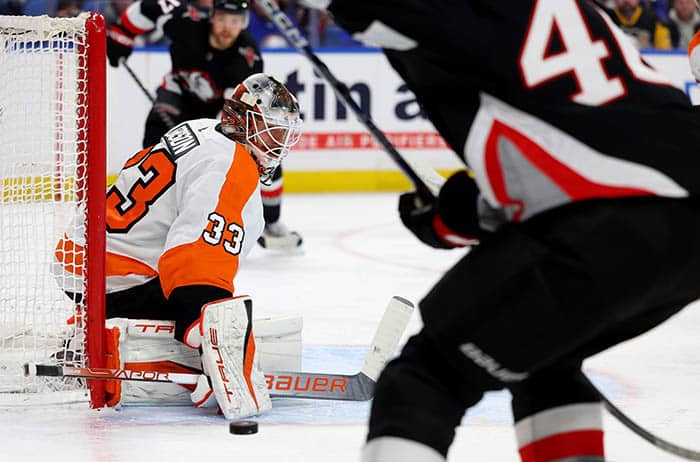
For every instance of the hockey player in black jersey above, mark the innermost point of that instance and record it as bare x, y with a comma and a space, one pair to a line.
211, 52
583, 193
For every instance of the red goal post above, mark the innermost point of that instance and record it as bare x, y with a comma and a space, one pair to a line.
52, 181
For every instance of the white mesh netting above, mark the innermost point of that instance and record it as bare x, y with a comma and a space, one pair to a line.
42, 176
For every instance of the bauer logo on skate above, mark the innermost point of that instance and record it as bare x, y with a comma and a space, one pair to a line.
296, 383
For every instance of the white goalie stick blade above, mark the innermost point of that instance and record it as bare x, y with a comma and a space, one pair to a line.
310, 385
387, 336
357, 387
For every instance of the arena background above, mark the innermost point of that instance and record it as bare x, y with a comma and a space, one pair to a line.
336, 152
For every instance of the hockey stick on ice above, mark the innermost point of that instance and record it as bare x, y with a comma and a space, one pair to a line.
298, 41
163, 115
660, 443
356, 387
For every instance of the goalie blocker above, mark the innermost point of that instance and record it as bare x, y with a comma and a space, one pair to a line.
143, 345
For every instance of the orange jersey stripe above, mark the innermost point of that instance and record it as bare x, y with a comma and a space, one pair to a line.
202, 263
71, 256
119, 265
248, 366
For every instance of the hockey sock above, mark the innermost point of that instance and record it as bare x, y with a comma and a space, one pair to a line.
571, 432
393, 449
272, 197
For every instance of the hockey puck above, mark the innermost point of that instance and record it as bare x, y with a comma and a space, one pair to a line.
243, 427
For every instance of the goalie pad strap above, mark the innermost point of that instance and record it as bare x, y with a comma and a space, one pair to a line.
149, 343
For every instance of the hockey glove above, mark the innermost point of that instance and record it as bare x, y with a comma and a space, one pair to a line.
120, 43
448, 222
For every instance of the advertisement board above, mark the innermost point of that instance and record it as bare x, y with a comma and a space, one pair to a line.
336, 152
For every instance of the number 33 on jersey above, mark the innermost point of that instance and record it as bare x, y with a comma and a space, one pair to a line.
184, 210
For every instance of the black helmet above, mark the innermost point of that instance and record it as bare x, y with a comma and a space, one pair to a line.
231, 6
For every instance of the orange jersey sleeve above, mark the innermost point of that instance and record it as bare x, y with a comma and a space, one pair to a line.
229, 231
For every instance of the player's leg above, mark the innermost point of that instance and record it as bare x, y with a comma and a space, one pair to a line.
556, 412
558, 416
230, 359
419, 400
422, 396
276, 235
534, 294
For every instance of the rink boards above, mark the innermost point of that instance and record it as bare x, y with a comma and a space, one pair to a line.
336, 153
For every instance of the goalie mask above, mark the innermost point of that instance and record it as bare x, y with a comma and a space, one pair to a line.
264, 115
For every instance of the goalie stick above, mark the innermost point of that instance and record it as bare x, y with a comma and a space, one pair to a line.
310, 385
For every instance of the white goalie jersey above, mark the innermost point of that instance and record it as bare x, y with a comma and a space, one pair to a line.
185, 210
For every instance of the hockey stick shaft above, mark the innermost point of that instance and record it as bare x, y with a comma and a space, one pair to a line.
166, 118
137, 80
660, 443
310, 385
295, 37
356, 387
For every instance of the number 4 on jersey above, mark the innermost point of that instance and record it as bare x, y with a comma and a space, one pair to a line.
581, 55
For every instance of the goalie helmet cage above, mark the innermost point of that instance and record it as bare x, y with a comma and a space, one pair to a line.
52, 185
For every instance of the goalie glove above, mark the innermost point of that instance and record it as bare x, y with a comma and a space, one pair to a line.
120, 43
229, 359
449, 221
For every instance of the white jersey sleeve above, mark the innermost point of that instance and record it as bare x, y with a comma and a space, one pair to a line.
185, 211
219, 214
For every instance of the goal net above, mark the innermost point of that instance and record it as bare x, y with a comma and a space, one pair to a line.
52, 181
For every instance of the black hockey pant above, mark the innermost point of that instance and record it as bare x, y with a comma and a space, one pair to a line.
524, 308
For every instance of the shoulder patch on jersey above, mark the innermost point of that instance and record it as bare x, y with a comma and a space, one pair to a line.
180, 140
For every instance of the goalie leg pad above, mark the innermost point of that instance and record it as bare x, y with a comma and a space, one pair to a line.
147, 343
279, 342
230, 358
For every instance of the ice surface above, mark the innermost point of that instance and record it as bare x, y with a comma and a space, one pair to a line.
357, 255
